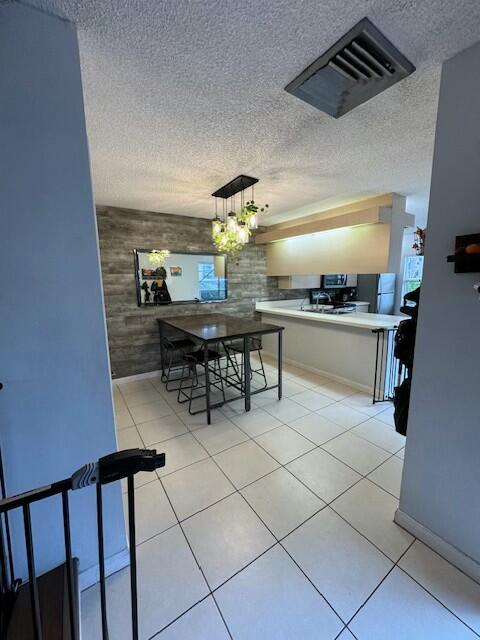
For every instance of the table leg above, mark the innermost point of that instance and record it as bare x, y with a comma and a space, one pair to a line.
279, 365
207, 382
162, 359
246, 371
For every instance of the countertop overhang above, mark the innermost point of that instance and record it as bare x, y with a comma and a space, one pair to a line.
291, 309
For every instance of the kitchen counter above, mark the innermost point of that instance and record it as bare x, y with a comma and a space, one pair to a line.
342, 347
291, 309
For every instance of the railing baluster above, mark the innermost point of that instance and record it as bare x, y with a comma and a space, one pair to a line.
7, 524
376, 368
101, 563
382, 374
5, 581
393, 365
69, 562
34, 602
133, 556
116, 466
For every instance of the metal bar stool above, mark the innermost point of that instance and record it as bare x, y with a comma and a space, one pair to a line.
189, 380
174, 348
234, 349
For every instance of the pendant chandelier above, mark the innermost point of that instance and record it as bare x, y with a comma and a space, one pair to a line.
231, 229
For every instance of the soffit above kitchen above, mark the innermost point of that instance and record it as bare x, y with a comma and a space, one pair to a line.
378, 210
362, 237
181, 96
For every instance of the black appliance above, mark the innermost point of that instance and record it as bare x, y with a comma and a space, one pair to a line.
404, 351
339, 280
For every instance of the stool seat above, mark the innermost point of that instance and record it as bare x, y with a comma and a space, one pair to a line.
234, 349
254, 344
192, 388
181, 343
199, 356
172, 348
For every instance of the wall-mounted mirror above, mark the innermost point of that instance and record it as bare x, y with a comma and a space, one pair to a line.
165, 278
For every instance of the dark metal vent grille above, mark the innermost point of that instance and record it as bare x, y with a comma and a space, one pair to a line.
359, 66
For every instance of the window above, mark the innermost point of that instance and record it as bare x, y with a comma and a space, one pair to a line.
211, 287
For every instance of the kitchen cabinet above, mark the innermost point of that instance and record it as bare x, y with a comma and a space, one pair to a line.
299, 282
360, 307
342, 347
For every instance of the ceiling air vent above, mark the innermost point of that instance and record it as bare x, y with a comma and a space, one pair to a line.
359, 66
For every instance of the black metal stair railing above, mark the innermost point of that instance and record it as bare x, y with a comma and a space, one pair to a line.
123, 464
8, 584
389, 373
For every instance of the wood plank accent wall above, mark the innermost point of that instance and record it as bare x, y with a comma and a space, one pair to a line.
132, 330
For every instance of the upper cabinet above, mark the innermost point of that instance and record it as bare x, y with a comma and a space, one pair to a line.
299, 282
363, 237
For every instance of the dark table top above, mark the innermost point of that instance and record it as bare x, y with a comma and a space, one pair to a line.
210, 327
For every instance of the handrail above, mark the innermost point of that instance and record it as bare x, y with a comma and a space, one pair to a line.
116, 466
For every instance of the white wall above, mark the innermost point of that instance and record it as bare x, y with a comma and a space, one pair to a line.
442, 469
56, 406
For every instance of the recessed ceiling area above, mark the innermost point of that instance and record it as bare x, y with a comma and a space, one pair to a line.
182, 96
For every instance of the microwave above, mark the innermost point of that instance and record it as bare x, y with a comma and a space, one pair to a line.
339, 280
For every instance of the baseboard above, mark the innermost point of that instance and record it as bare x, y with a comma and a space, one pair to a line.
321, 372
137, 376
301, 365
91, 576
465, 563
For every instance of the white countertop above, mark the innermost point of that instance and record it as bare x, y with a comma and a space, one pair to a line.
291, 309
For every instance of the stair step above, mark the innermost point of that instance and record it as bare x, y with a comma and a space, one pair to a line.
54, 609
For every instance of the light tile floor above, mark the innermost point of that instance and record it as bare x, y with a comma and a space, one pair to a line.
277, 524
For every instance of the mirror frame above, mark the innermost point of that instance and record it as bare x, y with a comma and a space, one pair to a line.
167, 304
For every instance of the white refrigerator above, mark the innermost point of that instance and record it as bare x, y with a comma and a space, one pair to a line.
379, 290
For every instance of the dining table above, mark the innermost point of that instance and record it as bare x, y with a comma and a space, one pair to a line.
215, 328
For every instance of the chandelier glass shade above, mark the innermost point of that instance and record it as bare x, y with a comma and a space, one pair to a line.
243, 233
232, 222
232, 230
158, 258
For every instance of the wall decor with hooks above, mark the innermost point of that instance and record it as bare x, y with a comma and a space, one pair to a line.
467, 254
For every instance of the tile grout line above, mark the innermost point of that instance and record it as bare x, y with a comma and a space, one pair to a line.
433, 595
156, 634
278, 541
363, 477
236, 490
380, 583
397, 566
230, 419
185, 536
281, 465
328, 504
197, 563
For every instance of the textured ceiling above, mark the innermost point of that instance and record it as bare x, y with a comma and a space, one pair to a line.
183, 95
